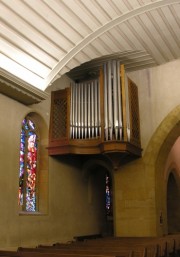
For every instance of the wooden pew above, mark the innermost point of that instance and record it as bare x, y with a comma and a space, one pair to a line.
168, 246
34, 252
87, 237
83, 252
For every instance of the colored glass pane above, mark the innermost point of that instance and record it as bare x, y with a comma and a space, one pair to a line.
108, 196
28, 166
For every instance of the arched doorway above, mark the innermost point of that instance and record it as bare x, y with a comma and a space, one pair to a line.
173, 206
166, 170
109, 204
100, 194
157, 154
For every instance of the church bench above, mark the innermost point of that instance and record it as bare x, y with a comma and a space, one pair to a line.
168, 245
9, 253
138, 249
80, 252
87, 237
125, 252
33, 253
51, 254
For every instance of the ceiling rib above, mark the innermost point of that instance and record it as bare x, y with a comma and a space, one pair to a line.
45, 39
103, 29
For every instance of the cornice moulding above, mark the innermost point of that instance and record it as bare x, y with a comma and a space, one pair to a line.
20, 91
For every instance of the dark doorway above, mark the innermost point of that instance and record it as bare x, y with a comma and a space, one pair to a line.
102, 198
173, 205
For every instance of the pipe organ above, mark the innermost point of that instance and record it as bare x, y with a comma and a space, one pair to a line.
94, 116
85, 119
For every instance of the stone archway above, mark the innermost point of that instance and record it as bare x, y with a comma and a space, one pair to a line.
158, 151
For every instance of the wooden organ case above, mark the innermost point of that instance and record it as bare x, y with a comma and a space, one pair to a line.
97, 116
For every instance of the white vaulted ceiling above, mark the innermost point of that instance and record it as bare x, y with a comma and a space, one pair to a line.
44, 39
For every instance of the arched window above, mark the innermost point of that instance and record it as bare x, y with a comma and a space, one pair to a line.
108, 195
28, 166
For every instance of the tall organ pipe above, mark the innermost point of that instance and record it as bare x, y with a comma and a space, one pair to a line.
92, 108
76, 109
89, 110
105, 103
85, 116
119, 101
114, 92
79, 110
98, 108
110, 113
95, 108
82, 110
71, 113
85, 110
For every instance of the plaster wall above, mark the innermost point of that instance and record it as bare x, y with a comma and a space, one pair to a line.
159, 91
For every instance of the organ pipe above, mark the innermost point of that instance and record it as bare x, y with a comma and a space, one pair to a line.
115, 103
97, 116
79, 110
109, 92
119, 101
76, 110
105, 104
71, 116
99, 109
85, 116
92, 109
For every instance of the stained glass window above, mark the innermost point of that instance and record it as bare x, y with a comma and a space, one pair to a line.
28, 166
108, 196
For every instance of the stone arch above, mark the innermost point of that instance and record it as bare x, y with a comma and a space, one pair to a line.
96, 161
155, 157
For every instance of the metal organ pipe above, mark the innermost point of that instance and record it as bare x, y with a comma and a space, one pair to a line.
92, 109
110, 111
105, 103
85, 111
71, 113
119, 101
95, 108
98, 108
114, 92
79, 111
112, 101
85, 117
89, 110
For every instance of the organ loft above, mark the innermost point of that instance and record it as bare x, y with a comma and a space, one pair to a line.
97, 115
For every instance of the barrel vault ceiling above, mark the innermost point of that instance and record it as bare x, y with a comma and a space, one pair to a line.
43, 39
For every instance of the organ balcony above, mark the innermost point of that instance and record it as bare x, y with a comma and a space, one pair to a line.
96, 116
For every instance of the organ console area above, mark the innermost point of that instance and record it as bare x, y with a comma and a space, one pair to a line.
96, 116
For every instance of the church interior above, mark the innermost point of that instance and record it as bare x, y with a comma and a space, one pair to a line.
90, 128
